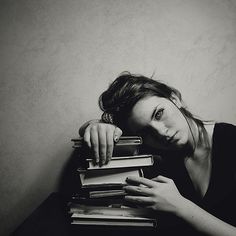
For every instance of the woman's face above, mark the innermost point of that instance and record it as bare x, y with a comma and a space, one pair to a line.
161, 124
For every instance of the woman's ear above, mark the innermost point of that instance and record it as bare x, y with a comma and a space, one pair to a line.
175, 99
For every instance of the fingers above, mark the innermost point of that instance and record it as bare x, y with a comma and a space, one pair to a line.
117, 134
102, 144
140, 200
110, 145
140, 180
94, 144
162, 179
87, 137
137, 190
100, 138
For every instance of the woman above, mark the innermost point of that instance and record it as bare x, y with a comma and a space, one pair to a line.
195, 181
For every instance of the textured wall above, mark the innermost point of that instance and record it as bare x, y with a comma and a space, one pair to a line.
58, 56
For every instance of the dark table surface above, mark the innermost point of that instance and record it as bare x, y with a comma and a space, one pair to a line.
50, 218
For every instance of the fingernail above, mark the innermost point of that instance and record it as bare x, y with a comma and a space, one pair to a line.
115, 138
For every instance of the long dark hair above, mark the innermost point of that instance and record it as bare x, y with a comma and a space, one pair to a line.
127, 89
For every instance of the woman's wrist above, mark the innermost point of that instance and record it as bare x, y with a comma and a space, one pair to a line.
182, 207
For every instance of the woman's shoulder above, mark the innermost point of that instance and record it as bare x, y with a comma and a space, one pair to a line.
224, 137
225, 129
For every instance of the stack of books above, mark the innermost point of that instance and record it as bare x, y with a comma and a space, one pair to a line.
100, 200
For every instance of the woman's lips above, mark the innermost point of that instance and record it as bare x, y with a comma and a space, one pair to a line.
172, 139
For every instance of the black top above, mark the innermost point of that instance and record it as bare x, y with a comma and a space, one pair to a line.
220, 198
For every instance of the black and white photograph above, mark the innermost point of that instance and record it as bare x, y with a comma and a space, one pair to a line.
118, 117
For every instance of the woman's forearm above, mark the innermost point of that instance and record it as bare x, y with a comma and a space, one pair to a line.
203, 221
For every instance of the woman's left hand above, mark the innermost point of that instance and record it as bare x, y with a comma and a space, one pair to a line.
160, 193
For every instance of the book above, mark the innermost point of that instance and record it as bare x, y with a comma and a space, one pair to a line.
98, 193
126, 145
123, 141
107, 177
123, 162
109, 222
79, 198
106, 193
120, 210
113, 216
100, 200
107, 180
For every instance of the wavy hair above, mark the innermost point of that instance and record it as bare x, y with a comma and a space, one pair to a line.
127, 89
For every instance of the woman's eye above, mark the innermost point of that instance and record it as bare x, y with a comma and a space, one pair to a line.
159, 114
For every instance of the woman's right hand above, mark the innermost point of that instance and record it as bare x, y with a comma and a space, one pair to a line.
100, 137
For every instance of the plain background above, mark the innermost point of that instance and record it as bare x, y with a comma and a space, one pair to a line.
57, 57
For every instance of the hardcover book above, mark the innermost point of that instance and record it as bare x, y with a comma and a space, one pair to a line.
100, 200
126, 145
112, 216
122, 162
107, 177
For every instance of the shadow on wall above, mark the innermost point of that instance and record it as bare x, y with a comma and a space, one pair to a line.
69, 182
35, 221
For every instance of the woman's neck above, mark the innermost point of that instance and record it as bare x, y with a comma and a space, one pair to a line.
201, 140
199, 164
